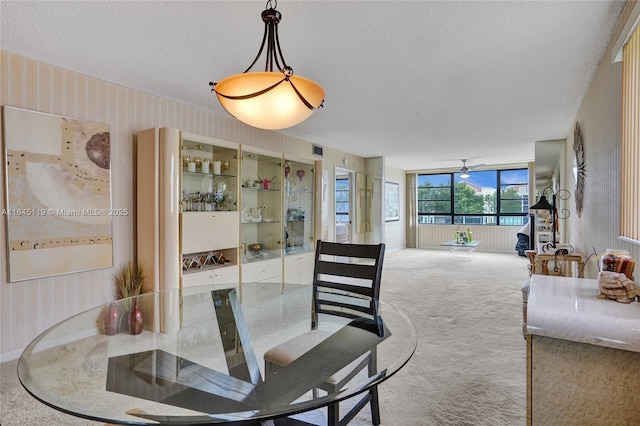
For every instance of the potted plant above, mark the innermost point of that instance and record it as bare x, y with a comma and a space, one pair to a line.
130, 283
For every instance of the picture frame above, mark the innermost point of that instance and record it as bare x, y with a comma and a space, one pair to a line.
58, 195
391, 202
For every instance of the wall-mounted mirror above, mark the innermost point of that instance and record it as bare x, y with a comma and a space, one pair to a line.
549, 161
549, 172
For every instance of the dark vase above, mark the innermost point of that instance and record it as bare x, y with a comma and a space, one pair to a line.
136, 321
112, 320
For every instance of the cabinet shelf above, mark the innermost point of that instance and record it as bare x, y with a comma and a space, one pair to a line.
207, 268
296, 250
259, 188
256, 258
264, 222
201, 174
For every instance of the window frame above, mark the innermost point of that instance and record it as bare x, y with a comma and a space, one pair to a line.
496, 218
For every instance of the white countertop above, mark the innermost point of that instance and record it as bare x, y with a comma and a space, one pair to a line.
569, 309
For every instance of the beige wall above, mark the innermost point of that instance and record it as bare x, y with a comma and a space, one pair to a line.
599, 118
30, 307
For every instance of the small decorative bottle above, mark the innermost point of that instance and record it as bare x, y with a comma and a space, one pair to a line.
469, 236
112, 320
136, 321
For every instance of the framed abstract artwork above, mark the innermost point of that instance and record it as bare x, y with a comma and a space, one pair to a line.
58, 194
391, 201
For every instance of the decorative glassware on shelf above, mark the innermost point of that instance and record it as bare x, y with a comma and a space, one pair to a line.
219, 188
206, 165
214, 196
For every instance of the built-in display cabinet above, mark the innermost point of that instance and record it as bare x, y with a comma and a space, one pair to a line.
216, 212
188, 218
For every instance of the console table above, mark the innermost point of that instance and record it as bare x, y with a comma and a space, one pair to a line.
540, 263
581, 353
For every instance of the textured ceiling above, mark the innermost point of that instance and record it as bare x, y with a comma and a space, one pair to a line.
422, 83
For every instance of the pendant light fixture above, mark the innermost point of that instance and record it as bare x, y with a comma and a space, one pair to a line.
270, 99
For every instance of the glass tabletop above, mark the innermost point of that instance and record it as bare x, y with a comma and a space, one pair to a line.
199, 358
454, 243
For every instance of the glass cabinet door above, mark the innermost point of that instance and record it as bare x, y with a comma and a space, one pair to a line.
261, 207
209, 177
209, 232
298, 206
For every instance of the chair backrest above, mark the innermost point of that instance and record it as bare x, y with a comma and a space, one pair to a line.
346, 280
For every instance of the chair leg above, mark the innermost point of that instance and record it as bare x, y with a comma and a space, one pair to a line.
333, 414
375, 406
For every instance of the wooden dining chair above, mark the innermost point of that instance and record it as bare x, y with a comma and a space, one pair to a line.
346, 283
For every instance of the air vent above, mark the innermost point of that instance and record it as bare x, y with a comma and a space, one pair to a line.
317, 150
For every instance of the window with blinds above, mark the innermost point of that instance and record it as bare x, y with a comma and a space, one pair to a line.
630, 148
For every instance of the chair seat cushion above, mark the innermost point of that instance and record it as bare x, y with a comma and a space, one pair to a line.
287, 352
294, 348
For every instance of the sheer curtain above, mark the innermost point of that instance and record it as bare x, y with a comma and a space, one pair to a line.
412, 214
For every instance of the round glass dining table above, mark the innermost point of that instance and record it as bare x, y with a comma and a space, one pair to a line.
199, 358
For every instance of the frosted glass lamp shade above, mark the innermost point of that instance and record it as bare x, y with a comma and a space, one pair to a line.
267, 100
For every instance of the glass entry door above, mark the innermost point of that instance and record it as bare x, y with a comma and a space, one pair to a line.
344, 206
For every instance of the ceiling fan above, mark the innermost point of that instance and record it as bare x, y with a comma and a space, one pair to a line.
464, 171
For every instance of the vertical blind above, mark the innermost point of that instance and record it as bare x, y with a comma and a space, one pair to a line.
630, 151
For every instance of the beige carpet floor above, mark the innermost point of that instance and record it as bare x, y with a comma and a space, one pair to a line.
469, 366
